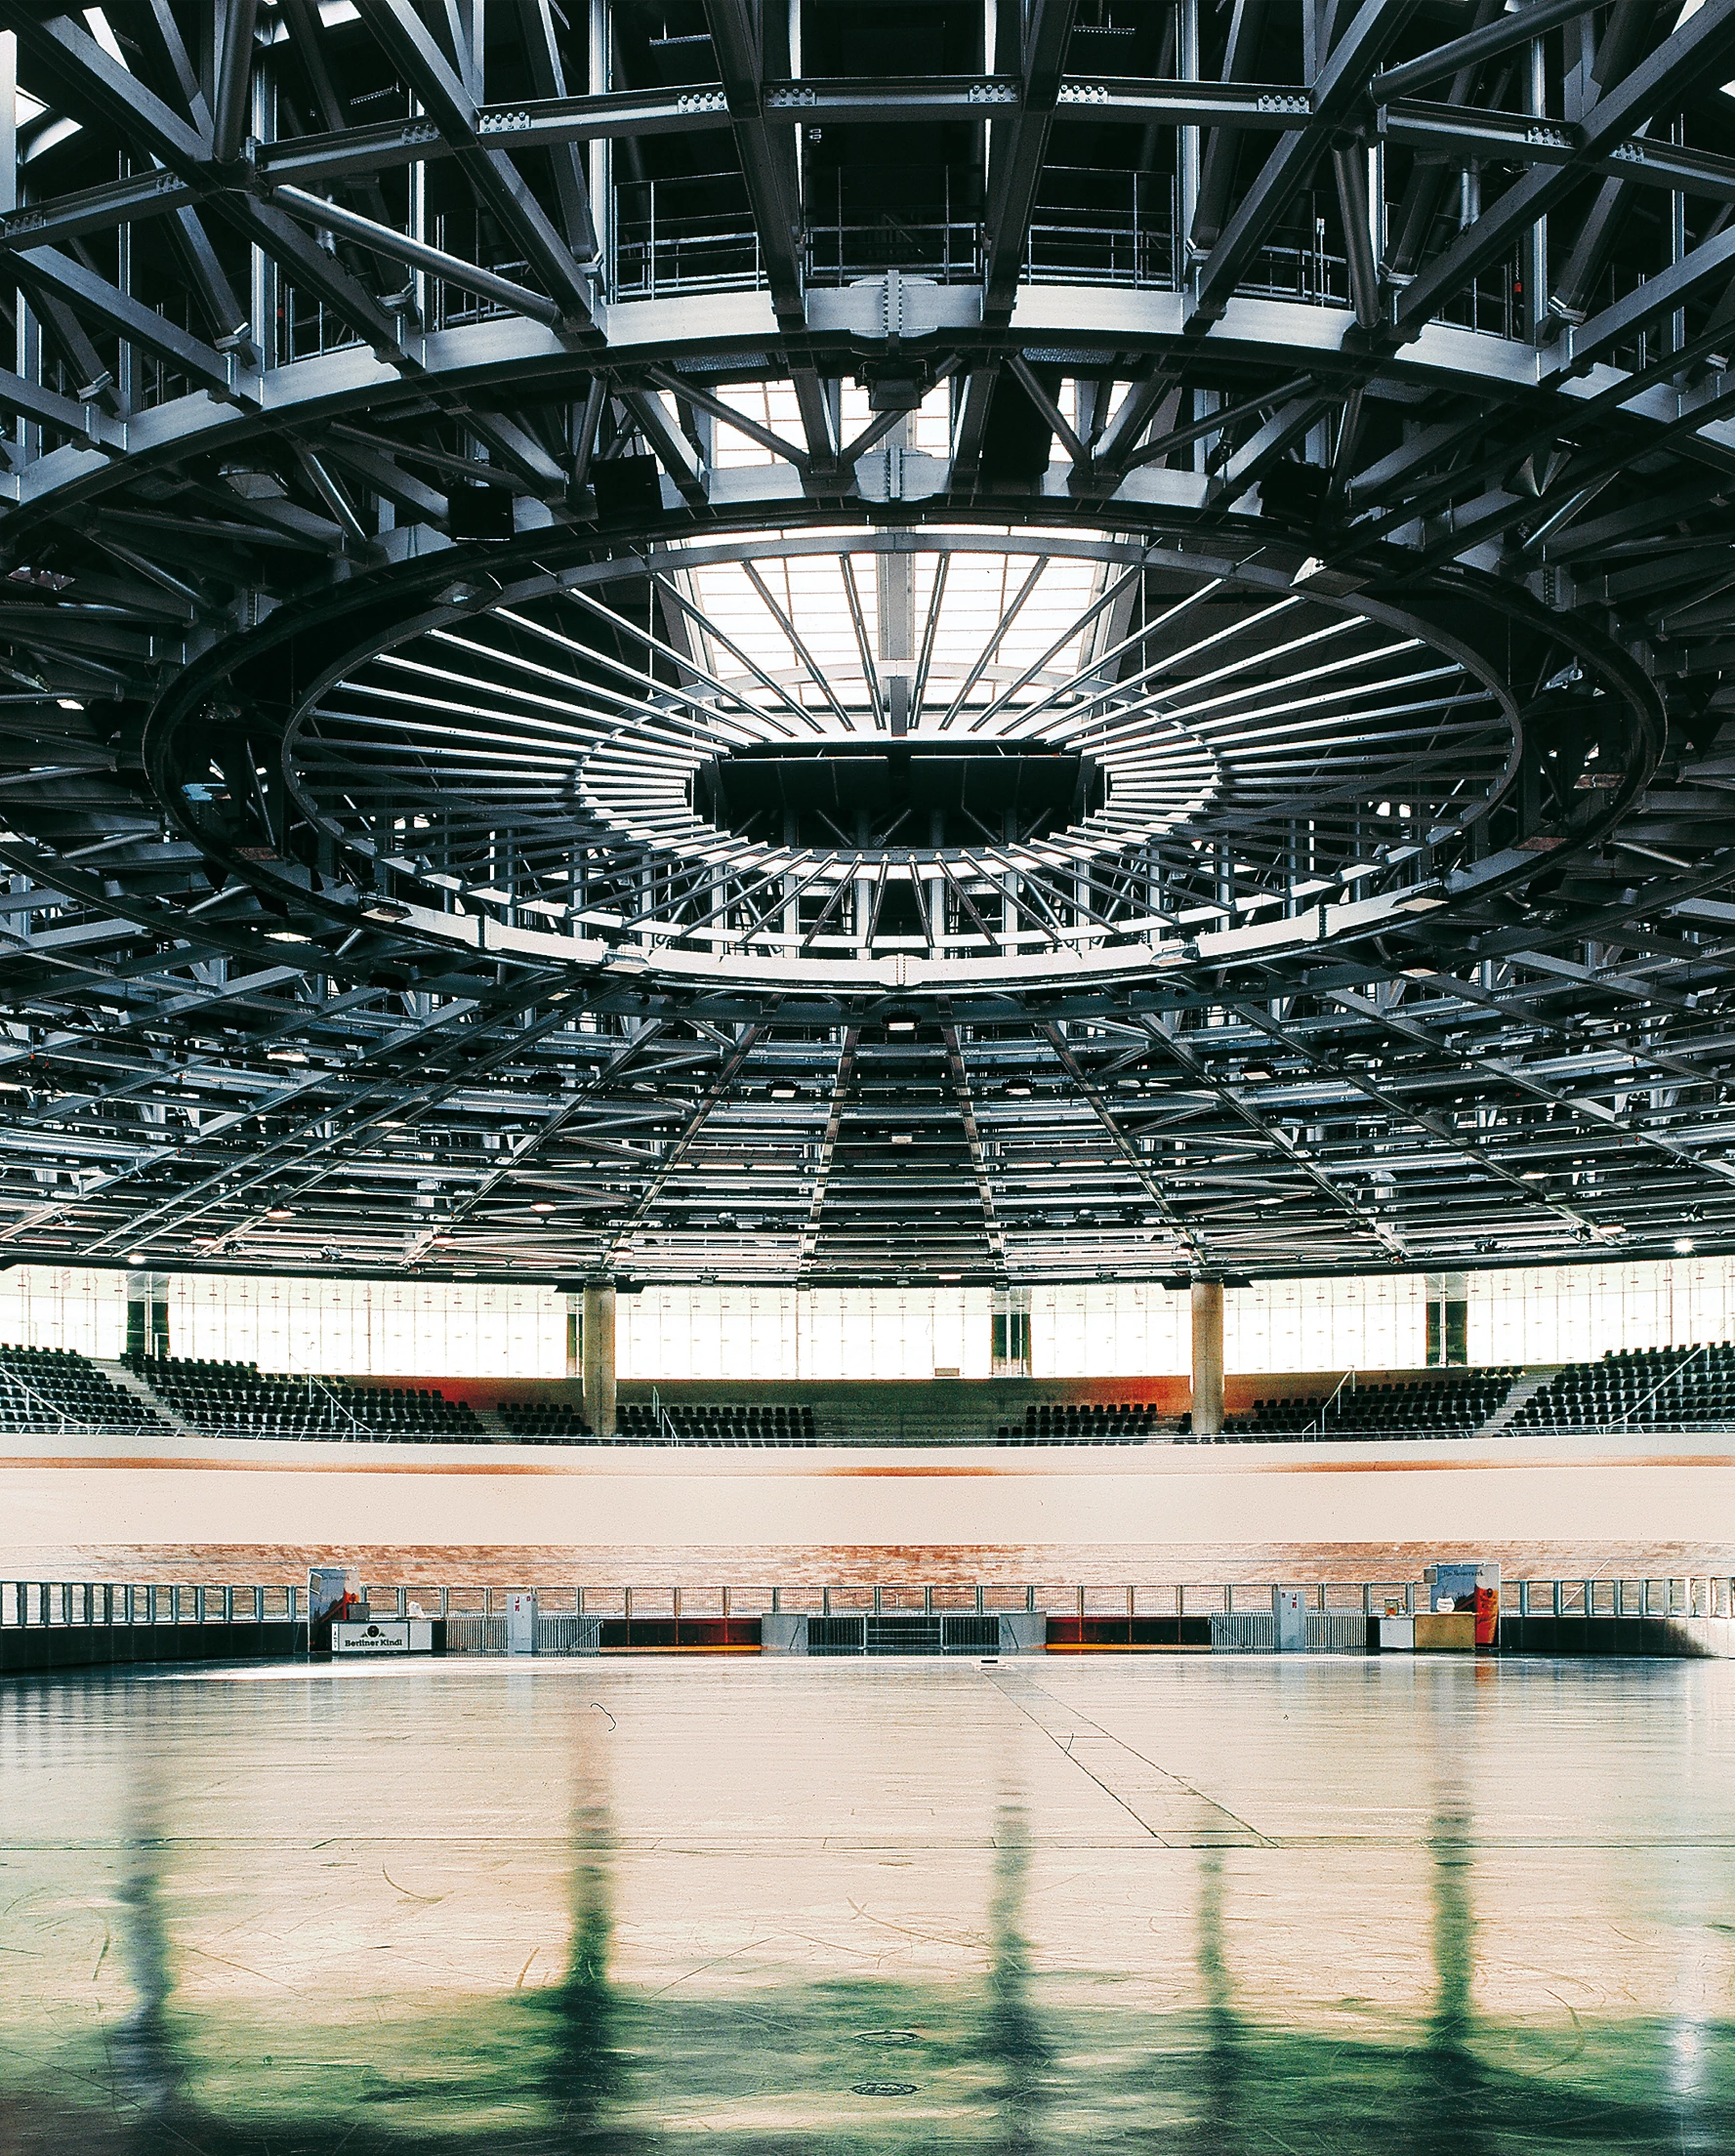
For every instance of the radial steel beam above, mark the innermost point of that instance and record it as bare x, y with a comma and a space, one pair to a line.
497, 180
842, 1091
1018, 146
1337, 93
765, 153
398, 246
1475, 47
1701, 41
620, 1244
1184, 1231
972, 1139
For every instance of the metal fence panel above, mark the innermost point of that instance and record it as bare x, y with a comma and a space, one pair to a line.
1337, 1632
835, 1635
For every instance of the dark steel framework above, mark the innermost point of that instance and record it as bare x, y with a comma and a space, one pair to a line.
440, 441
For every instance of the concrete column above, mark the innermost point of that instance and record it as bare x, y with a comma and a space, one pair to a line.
598, 1356
574, 1365
1208, 1357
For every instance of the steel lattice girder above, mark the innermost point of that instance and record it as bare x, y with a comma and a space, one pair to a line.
1358, 412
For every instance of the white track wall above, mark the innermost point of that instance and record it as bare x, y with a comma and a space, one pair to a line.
1135, 1328
70, 1508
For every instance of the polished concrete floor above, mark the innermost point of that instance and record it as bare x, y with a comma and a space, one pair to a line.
1105, 1903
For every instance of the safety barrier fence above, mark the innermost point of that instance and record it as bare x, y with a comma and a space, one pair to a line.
481, 1611
1720, 1430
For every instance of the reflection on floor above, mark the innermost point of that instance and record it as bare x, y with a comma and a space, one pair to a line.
758, 1907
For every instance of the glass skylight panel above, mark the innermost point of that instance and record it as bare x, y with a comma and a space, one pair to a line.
972, 633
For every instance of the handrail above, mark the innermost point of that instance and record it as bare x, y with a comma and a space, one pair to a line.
355, 1422
1318, 1422
75, 1422
1668, 1378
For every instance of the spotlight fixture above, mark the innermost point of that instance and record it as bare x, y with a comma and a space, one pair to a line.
1684, 1245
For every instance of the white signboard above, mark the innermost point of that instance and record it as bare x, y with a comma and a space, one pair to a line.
383, 1635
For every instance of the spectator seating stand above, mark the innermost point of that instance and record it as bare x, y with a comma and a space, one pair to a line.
1638, 1389
1369, 1414
55, 1387
236, 1399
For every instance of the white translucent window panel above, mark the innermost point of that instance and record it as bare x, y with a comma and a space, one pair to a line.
978, 1333
773, 405
533, 1334
948, 1329
63, 1306
705, 1333
731, 1349
1057, 1332
429, 1330
930, 427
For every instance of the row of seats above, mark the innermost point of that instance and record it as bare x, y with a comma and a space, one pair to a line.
1091, 1421
560, 1422
1638, 1388
1691, 1387
535, 1423
40, 1385
1430, 1407
236, 1399
1021, 1437
726, 1423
